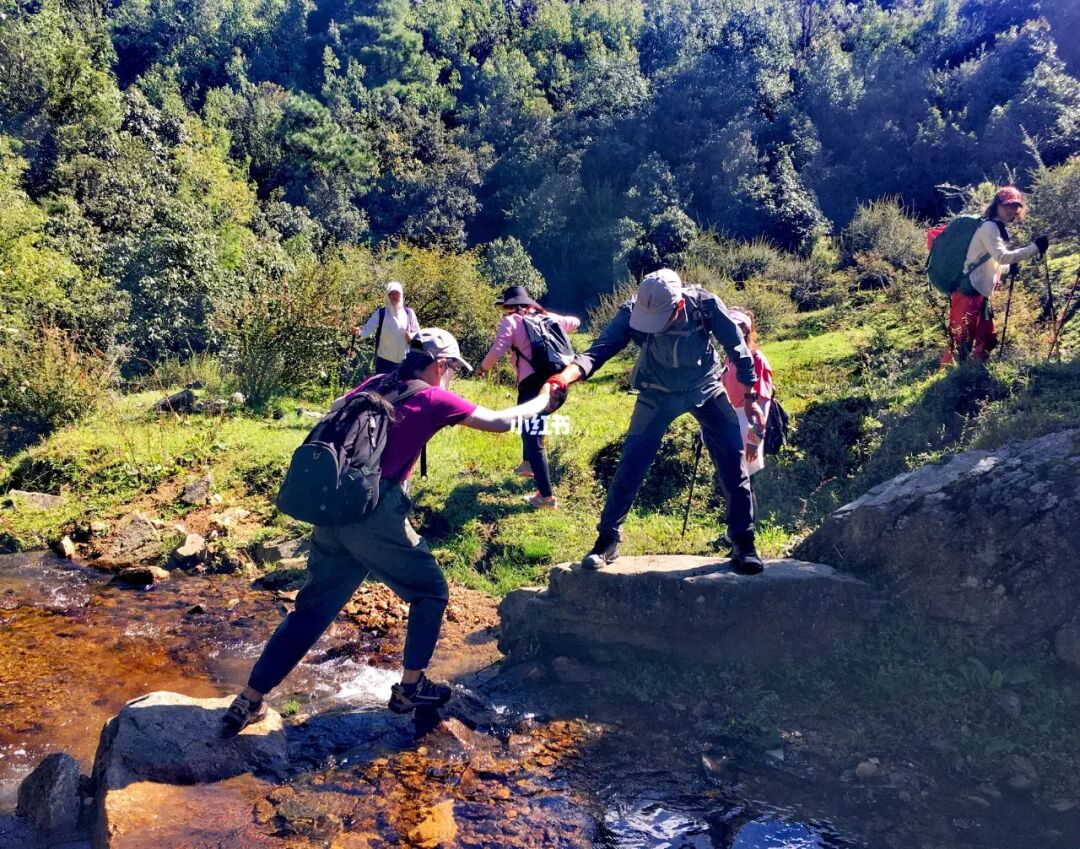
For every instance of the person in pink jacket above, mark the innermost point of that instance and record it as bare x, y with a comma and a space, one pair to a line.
753, 441
512, 336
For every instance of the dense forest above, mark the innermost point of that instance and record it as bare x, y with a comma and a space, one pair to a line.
178, 177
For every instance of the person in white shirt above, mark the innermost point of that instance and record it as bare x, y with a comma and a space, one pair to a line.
394, 326
971, 320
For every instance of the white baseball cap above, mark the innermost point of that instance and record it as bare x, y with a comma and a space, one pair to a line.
656, 298
394, 286
439, 344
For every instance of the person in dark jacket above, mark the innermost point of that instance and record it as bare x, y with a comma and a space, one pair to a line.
678, 371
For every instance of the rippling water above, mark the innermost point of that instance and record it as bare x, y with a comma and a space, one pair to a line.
74, 649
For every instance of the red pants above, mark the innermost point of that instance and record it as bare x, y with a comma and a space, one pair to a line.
971, 328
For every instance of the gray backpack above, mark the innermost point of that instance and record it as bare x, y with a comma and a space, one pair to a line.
683, 359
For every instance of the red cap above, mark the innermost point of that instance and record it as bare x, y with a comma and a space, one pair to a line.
1010, 194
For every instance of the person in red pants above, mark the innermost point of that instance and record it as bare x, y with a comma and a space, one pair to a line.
971, 319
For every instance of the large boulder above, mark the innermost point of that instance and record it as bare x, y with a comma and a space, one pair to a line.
168, 738
683, 610
49, 796
986, 538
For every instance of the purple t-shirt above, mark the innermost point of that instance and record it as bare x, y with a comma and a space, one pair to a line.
419, 418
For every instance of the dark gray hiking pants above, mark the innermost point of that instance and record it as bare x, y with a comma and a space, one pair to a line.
383, 545
653, 413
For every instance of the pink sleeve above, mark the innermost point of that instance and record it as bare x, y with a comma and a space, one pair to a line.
764, 383
569, 323
504, 338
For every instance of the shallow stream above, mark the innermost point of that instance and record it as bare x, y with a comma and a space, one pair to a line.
74, 648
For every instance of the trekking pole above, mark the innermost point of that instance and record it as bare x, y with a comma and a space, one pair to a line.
1064, 315
1013, 270
346, 361
699, 439
1049, 291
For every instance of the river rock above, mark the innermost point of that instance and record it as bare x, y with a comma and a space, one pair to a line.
136, 538
28, 500
141, 576
49, 796
191, 553
683, 610
275, 552
197, 492
168, 738
987, 538
65, 547
437, 828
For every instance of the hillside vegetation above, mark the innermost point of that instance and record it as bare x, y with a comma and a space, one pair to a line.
215, 195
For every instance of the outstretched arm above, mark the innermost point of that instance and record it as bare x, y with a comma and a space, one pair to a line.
612, 339
500, 421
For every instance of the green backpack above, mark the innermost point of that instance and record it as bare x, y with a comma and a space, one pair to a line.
948, 251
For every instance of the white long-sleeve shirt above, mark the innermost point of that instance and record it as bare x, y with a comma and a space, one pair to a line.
987, 240
399, 326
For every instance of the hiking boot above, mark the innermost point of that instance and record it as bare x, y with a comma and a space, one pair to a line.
722, 542
604, 552
424, 694
524, 469
744, 556
242, 713
539, 502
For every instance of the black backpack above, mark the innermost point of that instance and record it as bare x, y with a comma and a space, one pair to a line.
776, 427
551, 348
333, 477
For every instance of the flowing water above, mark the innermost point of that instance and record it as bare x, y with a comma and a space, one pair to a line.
74, 648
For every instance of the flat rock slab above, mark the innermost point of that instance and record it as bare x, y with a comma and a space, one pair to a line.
147, 814
684, 610
168, 738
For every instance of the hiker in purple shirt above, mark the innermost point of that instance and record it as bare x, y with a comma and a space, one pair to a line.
382, 544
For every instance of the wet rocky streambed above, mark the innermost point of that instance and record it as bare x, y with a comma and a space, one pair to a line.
505, 766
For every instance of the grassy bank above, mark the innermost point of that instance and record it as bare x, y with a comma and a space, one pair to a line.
861, 382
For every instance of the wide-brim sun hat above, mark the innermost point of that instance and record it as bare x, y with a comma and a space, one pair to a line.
657, 296
516, 296
440, 345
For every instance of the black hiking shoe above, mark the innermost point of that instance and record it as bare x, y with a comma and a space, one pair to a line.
744, 556
425, 694
722, 542
242, 713
605, 551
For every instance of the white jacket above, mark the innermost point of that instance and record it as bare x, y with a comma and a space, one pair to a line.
987, 241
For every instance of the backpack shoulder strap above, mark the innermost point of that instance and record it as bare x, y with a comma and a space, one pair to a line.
702, 312
517, 351
378, 330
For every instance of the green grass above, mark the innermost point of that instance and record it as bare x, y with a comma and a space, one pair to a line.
861, 379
